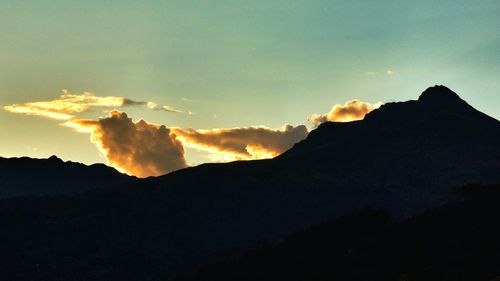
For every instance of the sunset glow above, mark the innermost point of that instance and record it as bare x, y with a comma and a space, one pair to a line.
225, 78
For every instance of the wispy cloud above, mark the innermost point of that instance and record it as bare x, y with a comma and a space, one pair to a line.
350, 111
388, 72
68, 105
167, 108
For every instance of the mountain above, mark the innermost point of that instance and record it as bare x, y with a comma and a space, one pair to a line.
454, 242
52, 176
403, 158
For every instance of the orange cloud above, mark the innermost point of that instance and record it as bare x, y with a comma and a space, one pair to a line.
242, 143
141, 149
350, 111
144, 149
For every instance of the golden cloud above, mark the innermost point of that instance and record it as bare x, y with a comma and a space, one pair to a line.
144, 149
68, 105
350, 111
247, 143
141, 149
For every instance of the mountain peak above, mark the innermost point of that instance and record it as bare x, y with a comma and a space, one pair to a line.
55, 159
439, 94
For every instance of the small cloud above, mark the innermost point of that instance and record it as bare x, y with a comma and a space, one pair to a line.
129, 102
167, 108
186, 100
350, 111
152, 105
373, 73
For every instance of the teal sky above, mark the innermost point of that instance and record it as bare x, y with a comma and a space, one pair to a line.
247, 62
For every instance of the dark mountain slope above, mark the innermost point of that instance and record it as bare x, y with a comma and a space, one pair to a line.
403, 158
26, 177
454, 242
438, 115
439, 125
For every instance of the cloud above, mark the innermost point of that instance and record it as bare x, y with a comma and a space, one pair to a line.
388, 72
171, 109
68, 105
167, 108
129, 102
350, 111
141, 149
144, 149
247, 143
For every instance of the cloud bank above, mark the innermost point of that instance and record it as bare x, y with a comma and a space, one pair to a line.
141, 149
145, 149
247, 143
350, 111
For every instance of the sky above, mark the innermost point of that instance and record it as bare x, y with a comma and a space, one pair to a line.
225, 77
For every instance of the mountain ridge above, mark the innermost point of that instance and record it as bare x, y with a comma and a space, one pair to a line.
400, 158
24, 176
436, 106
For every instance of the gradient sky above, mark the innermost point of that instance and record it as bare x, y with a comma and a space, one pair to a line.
236, 63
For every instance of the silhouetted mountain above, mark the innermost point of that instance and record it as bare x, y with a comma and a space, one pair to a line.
439, 115
454, 242
52, 176
403, 158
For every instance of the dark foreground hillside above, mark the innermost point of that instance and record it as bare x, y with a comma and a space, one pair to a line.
454, 242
